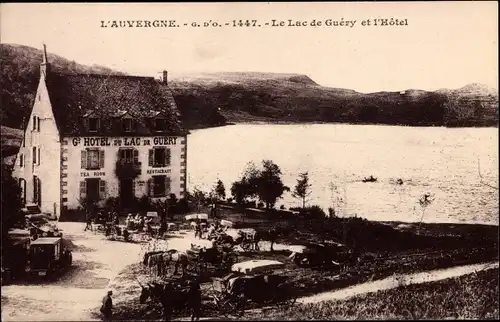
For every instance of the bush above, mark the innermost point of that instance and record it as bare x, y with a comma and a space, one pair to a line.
144, 203
312, 212
182, 206
260, 205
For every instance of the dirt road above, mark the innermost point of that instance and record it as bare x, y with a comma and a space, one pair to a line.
397, 281
96, 261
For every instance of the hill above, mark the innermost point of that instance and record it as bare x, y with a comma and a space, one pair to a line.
11, 140
213, 99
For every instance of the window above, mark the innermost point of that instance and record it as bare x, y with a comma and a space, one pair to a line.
93, 189
160, 125
102, 189
34, 155
34, 123
127, 125
159, 157
21, 160
38, 156
37, 190
22, 185
161, 186
93, 124
92, 159
128, 156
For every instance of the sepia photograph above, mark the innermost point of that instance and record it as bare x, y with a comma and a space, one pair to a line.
249, 161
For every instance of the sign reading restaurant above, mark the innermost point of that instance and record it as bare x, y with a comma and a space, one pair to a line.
126, 141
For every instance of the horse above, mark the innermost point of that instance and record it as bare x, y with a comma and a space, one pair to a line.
173, 298
271, 234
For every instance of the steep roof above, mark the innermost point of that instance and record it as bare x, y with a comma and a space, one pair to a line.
108, 97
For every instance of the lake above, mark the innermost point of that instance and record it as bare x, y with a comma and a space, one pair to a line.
443, 162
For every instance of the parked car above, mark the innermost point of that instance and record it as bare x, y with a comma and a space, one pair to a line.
48, 256
322, 254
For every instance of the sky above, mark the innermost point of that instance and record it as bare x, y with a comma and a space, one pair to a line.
444, 45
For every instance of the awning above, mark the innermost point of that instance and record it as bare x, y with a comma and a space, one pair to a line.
197, 216
227, 223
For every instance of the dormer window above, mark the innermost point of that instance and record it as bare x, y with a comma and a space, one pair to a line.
127, 125
160, 125
93, 124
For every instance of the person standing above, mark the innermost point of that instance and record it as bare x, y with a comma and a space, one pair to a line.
107, 306
89, 223
194, 299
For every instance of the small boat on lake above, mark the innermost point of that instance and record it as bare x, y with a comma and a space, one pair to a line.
370, 179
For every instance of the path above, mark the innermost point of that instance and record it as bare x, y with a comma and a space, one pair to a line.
396, 281
96, 261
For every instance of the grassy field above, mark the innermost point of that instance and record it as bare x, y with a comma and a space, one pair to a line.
473, 296
393, 248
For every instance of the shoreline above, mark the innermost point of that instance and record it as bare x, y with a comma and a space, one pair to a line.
279, 122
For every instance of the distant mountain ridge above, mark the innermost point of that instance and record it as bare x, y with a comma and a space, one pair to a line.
216, 98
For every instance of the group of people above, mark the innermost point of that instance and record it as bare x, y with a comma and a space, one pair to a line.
107, 219
201, 229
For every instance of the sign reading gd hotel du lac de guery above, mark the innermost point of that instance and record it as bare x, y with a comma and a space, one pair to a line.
124, 142
133, 141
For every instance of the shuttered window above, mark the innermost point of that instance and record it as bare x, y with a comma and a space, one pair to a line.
136, 156
84, 159
83, 189
167, 157
34, 123
102, 189
167, 185
159, 157
151, 157
34, 155
150, 188
159, 186
92, 159
101, 159
128, 155
21, 160
38, 156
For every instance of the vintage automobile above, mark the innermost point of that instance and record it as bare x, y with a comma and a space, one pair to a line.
47, 256
253, 281
326, 254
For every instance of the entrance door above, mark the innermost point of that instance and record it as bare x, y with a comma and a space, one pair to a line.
126, 192
92, 190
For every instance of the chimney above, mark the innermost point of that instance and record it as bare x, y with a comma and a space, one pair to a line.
45, 65
165, 77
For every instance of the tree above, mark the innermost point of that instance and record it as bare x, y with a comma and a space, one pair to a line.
424, 202
302, 188
246, 187
198, 197
268, 183
220, 190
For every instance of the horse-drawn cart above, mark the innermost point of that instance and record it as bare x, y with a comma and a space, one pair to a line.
249, 284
